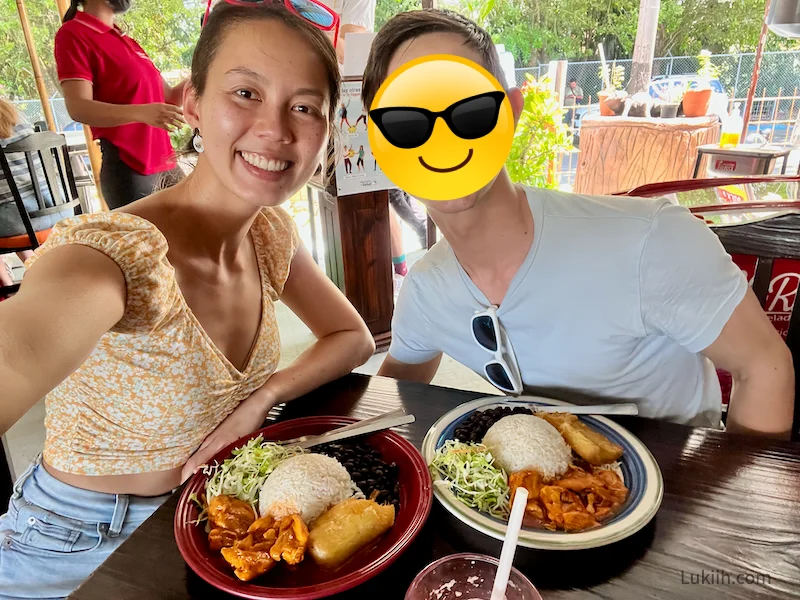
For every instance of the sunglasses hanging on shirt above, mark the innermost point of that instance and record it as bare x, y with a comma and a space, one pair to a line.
503, 371
316, 13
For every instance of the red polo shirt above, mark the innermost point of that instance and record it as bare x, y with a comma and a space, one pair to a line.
121, 73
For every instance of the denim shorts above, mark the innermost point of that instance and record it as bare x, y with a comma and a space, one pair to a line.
55, 535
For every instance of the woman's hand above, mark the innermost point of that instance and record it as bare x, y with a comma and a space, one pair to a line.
163, 116
246, 418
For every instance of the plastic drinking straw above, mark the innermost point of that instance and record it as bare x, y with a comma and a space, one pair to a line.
510, 544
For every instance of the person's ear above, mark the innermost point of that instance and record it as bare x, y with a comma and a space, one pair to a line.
517, 103
191, 107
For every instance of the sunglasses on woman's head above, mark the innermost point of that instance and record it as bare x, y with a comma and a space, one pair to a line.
316, 13
410, 127
503, 371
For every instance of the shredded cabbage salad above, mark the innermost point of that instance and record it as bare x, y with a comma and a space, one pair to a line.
470, 473
243, 475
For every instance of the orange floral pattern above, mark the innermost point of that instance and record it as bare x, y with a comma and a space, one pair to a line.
155, 385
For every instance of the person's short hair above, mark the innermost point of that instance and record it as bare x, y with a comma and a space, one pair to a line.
8, 119
573, 80
413, 24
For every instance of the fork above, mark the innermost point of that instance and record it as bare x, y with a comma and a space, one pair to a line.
321, 437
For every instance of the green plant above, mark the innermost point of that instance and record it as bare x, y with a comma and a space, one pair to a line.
181, 138
616, 77
540, 136
707, 69
674, 94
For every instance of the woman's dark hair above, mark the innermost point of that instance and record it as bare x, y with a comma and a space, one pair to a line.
72, 10
225, 16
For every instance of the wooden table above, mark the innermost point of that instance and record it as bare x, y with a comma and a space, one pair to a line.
731, 511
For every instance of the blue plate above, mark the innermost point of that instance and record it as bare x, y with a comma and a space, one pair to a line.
639, 471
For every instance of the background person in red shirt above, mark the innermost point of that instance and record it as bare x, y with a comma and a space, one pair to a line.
111, 85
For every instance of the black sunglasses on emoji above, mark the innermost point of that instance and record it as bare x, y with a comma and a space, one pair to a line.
410, 127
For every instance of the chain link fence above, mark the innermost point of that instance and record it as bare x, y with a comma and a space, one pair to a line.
31, 112
780, 72
773, 113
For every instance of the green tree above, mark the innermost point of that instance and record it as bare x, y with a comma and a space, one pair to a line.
386, 9
537, 31
166, 29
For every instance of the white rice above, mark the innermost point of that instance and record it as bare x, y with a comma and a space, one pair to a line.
308, 484
526, 442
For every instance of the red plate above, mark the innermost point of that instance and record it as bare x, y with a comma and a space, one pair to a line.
307, 581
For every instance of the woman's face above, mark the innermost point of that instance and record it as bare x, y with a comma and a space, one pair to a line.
264, 113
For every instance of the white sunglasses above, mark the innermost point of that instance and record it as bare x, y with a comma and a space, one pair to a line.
502, 372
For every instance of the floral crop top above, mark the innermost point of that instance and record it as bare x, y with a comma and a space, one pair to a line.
155, 385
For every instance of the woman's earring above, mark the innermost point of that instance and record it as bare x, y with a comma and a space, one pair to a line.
197, 141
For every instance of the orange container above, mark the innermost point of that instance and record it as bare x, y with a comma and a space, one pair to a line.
695, 102
604, 110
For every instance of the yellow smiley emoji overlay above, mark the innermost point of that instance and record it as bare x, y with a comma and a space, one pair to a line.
445, 166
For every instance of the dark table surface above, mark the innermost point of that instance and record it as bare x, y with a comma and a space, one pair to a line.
728, 527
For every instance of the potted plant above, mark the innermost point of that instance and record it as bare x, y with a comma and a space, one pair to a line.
671, 101
616, 79
698, 96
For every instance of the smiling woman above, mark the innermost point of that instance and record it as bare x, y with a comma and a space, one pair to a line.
152, 330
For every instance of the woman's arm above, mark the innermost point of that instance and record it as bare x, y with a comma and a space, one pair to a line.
343, 339
82, 107
68, 299
343, 343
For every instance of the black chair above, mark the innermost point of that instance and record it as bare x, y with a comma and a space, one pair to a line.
769, 239
51, 151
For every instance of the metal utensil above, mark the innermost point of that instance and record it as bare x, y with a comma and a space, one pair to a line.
602, 409
394, 413
362, 429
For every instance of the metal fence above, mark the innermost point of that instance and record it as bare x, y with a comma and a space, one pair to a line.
773, 114
779, 71
31, 111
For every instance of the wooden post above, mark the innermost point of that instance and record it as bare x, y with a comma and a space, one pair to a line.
644, 46
37, 71
756, 70
429, 4
95, 158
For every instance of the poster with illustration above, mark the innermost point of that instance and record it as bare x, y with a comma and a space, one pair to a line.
357, 170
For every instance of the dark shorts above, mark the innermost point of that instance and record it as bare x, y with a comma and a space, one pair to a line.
121, 185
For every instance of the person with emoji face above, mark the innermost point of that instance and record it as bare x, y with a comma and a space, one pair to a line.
571, 297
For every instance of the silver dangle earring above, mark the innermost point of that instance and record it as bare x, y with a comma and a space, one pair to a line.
197, 141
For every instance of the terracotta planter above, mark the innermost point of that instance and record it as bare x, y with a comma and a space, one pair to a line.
695, 102
604, 110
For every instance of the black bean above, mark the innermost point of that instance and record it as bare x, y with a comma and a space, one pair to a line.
379, 472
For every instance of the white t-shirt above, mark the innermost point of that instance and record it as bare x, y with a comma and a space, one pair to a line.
614, 301
354, 12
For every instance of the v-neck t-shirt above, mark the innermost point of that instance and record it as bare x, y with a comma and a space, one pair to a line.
156, 385
120, 73
614, 301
